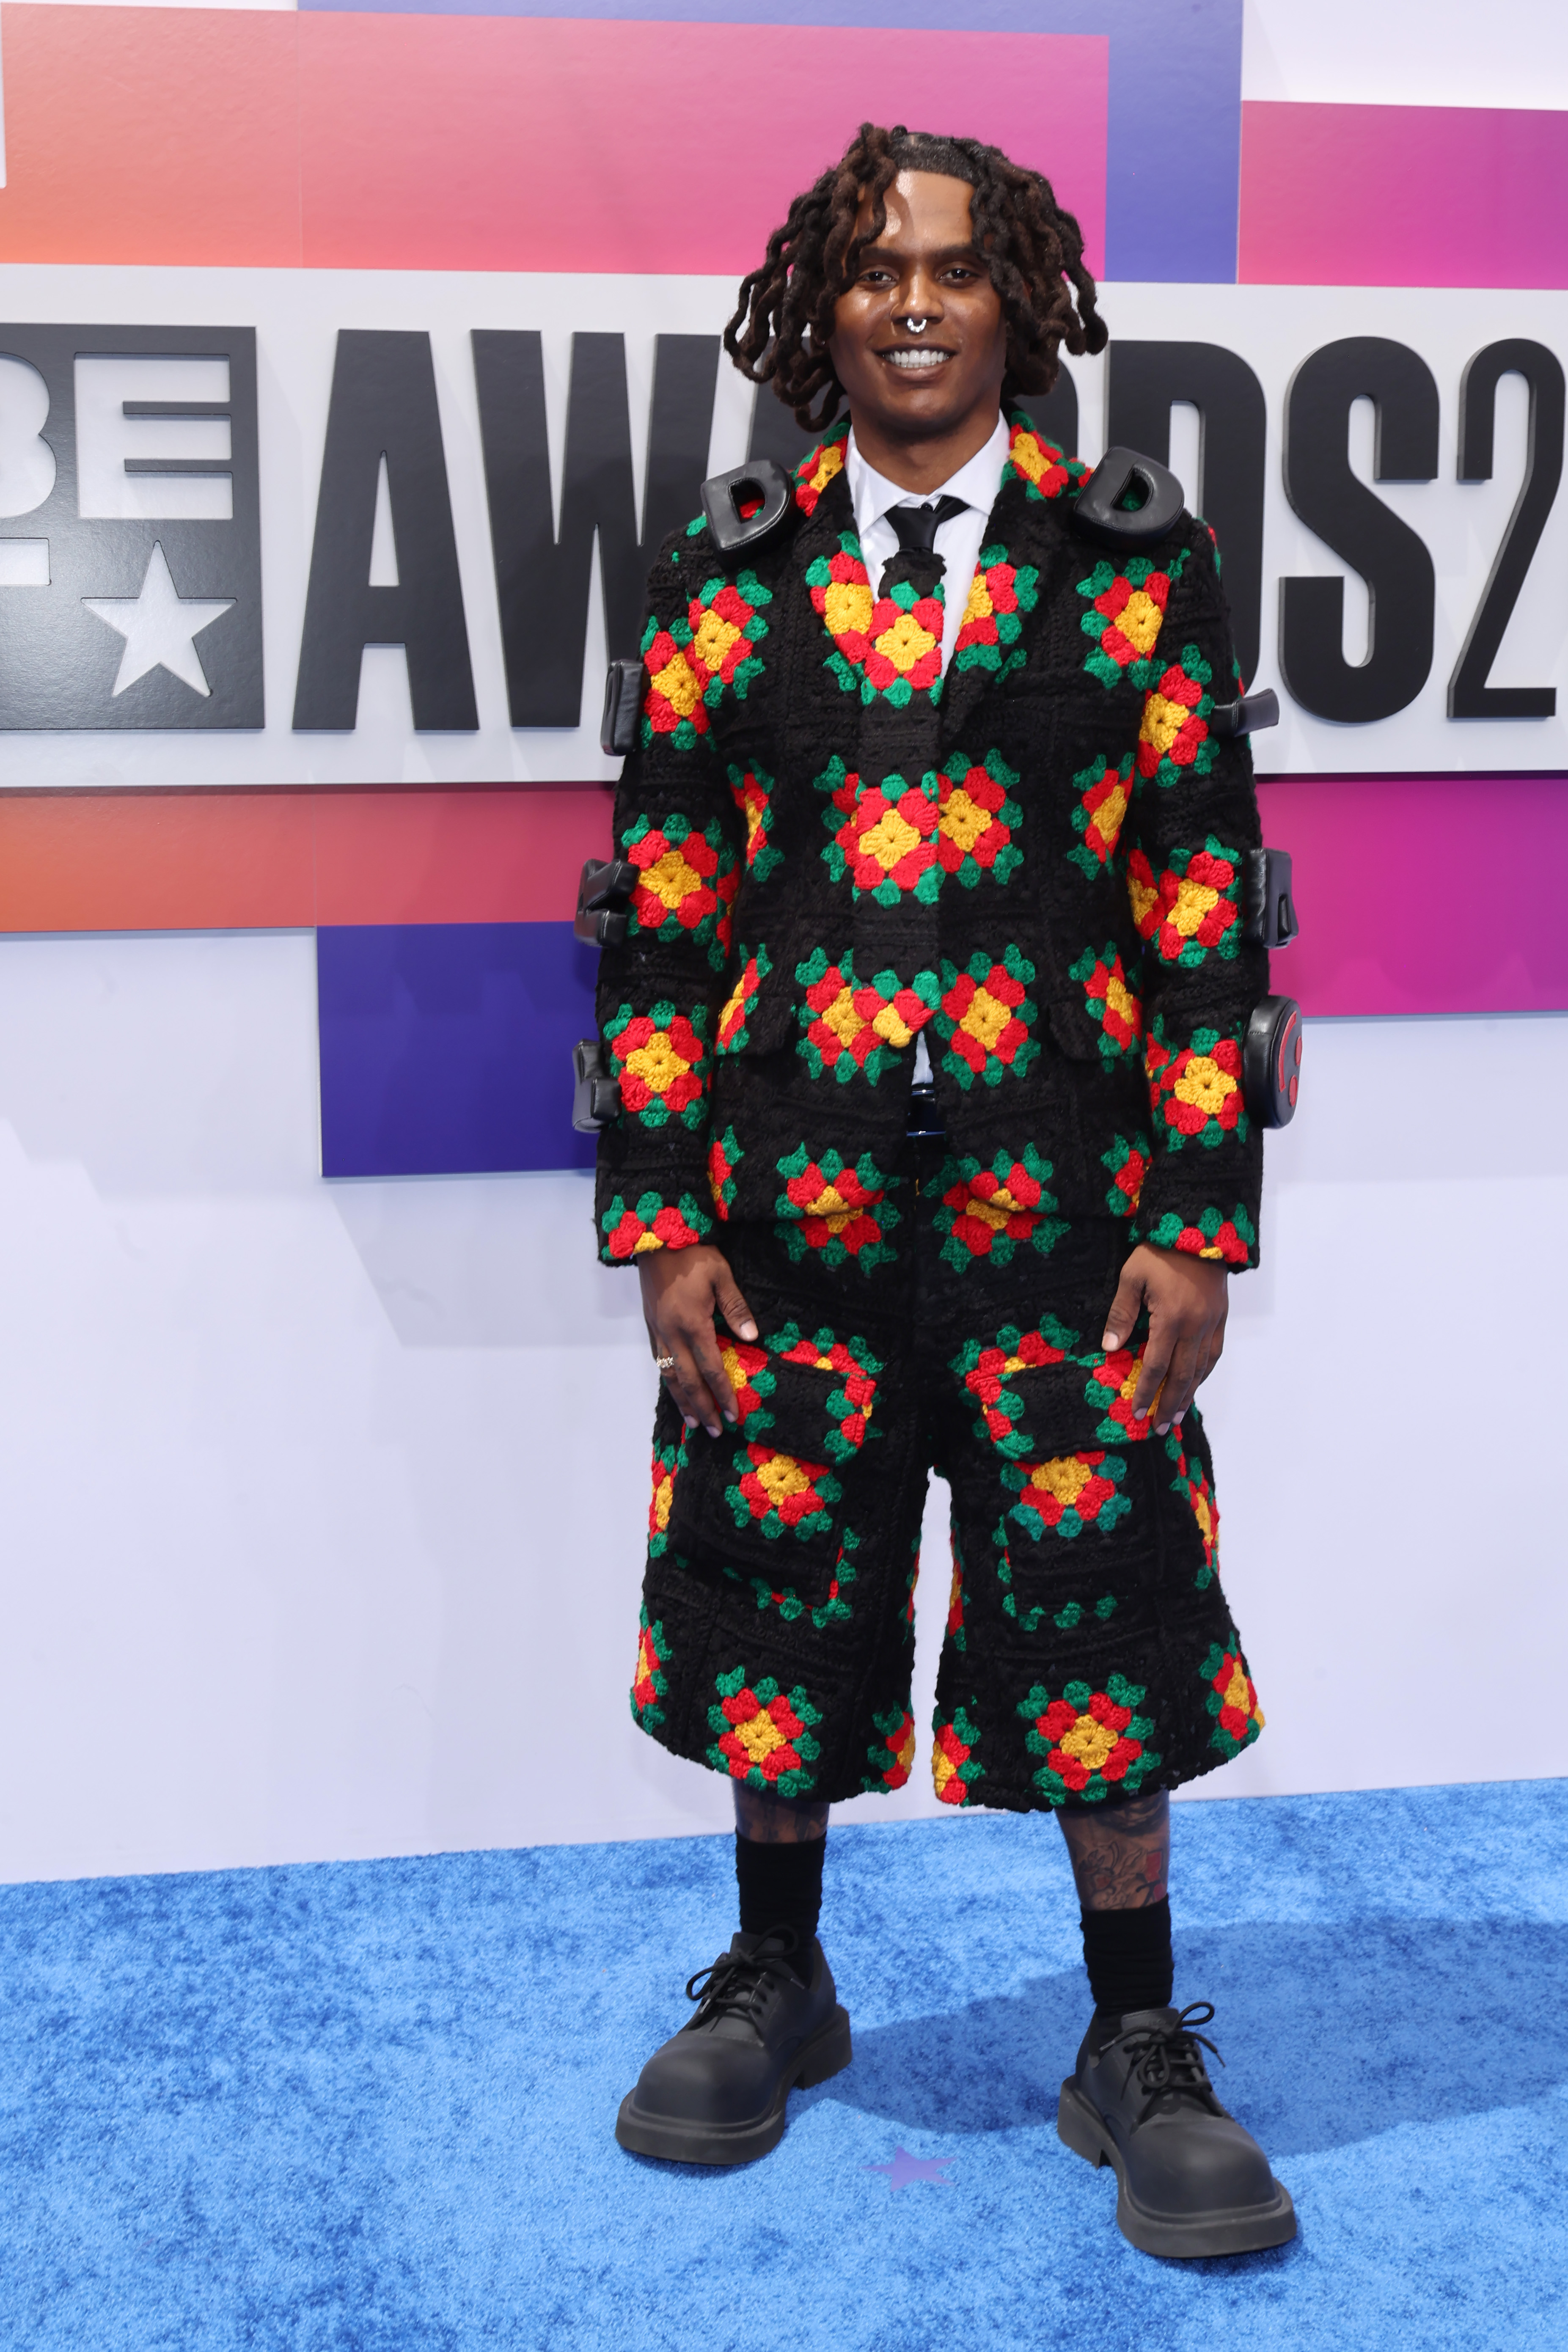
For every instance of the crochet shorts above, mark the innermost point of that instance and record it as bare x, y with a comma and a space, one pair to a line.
1089, 1653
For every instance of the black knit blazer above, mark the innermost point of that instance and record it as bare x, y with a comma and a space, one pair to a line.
1037, 858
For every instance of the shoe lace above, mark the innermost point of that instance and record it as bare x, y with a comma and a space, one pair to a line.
731, 1986
1166, 2060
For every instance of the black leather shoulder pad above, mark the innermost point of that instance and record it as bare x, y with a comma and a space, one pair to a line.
725, 496
1099, 510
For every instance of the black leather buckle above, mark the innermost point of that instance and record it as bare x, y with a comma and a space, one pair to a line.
925, 1120
597, 1096
622, 701
724, 496
1101, 510
1272, 1061
1248, 715
1268, 911
604, 895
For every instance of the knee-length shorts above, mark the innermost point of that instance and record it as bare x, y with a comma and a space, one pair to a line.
1088, 1653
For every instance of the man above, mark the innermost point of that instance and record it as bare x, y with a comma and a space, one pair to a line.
932, 1154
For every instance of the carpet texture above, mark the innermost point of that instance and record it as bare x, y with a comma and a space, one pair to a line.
369, 2104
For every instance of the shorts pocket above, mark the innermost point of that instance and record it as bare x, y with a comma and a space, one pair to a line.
1076, 1545
773, 1494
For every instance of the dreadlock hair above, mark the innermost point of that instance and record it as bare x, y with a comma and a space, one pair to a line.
1033, 249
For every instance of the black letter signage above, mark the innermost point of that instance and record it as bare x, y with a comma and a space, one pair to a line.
1346, 515
383, 406
542, 581
131, 547
1469, 695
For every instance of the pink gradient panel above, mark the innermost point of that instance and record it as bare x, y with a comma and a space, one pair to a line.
504, 142
1403, 196
1424, 894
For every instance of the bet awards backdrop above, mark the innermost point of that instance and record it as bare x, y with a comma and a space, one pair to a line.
219, 487
353, 360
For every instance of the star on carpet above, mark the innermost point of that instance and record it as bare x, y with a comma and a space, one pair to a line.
159, 626
905, 2169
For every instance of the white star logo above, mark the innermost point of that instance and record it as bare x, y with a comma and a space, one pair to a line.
159, 627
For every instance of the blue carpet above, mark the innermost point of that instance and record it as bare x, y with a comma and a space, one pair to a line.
369, 2104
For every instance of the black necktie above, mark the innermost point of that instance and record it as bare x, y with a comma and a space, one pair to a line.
917, 560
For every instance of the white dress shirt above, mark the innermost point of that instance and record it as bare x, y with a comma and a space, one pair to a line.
958, 541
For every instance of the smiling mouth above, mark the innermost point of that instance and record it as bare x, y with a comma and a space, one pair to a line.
912, 359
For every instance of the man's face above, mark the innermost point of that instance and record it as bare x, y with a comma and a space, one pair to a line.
918, 386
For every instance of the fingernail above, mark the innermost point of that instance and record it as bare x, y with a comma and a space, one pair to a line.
748, 1330
731, 1419
712, 1428
1110, 1340
1141, 1414
1160, 1427
691, 1423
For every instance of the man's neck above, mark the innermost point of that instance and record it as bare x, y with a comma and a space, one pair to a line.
921, 467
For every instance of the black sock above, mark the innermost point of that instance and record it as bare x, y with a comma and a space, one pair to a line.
1128, 1956
780, 1886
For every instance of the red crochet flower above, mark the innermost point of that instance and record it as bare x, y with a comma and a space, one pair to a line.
720, 619
1099, 815
972, 823
986, 1022
1179, 911
951, 1754
886, 839
994, 1365
676, 880
762, 1737
1171, 727
1040, 465
782, 1482
647, 1681
989, 1205
1200, 1090
1083, 1741
1133, 614
660, 1064
817, 469
741, 1363
674, 697
1237, 1695
738, 1003
906, 643
652, 1224
841, 594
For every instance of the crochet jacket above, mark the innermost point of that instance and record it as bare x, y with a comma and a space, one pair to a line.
1037, 858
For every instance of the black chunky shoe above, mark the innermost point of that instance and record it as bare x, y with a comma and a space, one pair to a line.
1189, 2179
715, 2092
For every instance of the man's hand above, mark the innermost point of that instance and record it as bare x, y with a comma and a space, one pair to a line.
1187, 1298
681, 1289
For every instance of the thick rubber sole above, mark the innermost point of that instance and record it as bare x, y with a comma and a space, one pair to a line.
1236, 2230
677, 2142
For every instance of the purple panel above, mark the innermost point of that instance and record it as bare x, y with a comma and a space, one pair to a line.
447, 1047
1174, 157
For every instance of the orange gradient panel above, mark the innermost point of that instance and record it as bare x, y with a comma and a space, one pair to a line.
155, 861
220, 861
502, 855
165, 135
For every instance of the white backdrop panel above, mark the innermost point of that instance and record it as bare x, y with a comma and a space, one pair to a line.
297, 314
319, 1506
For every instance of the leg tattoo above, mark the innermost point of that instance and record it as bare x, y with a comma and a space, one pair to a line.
778, 1821
1120, 1853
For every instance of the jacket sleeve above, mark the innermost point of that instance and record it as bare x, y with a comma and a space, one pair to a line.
1193, 813
658, 995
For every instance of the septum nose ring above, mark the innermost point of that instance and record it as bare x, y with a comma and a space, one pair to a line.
917, 326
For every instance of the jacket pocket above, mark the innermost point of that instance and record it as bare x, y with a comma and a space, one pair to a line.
774, 1494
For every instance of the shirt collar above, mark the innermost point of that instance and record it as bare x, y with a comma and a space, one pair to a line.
975, 483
